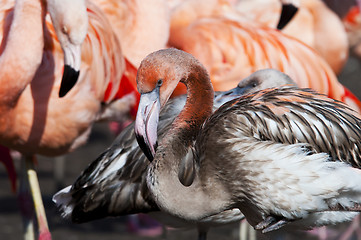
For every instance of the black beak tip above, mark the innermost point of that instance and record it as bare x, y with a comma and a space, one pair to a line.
145, 148
288, 11
70, 77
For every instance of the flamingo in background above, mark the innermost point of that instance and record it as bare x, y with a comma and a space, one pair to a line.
314, 24
34, 120
231, 47
70, 40
352, 23
142, 26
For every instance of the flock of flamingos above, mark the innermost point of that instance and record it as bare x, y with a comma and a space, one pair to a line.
248, 142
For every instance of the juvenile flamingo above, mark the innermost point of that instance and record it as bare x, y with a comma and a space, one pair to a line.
34, 120
286, 157
115, 183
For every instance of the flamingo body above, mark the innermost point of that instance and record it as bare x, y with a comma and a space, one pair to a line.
40, 122
232, 47
142, 26
321, 28
34, 120
283, 156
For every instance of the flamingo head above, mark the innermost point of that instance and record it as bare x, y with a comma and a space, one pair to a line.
70, 21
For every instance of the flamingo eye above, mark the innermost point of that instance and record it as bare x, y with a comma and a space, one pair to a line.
64, 29
159, 82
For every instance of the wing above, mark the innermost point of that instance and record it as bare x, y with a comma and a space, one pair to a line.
115, 183
292, 115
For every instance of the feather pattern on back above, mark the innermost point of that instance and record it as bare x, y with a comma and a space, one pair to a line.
292, 139
326, 125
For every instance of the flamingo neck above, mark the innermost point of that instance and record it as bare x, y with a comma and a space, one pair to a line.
195, 201
197, 109
21, 49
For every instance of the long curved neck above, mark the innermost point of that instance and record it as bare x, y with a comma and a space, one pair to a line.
195, 201
197, 108
21, 50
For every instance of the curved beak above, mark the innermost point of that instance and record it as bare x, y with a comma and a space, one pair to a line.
223, 97
146, 122
288, 11
72, 61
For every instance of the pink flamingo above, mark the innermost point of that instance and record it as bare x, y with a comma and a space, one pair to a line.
321, 28
34, 120
232, 47
142, 26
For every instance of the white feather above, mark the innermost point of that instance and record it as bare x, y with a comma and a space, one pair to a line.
286, 181
62, 200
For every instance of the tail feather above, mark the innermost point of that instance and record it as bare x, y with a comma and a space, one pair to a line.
62, 199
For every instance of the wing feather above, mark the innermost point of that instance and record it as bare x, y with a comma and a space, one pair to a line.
115, 183
291, 115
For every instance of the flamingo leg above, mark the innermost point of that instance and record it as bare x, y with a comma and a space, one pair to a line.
243, 230
26, 205
202, 235
44, 233
353, 228
7, 160
322, 233
246, 231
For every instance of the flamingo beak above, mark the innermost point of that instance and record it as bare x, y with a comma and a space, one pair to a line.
223, 97
288, 11
146, 122
72, 61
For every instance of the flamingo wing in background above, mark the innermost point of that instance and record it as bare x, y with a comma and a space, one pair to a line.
231, 47
142, 26
321, 28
